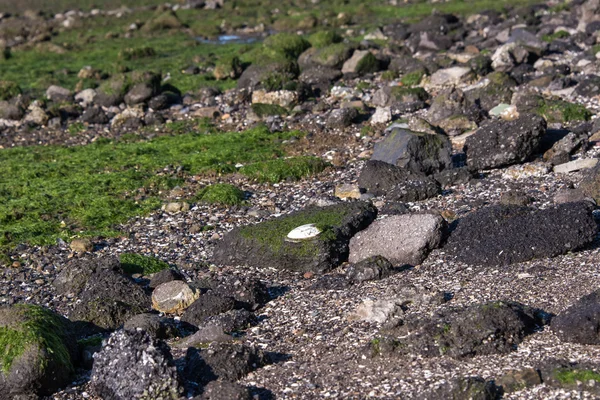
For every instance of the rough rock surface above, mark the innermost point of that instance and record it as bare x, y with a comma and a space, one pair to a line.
502, 235
414, 151
503, 143
579, 323
265, 244
38, 351
402, 239
132, 365
398, 184
491, 328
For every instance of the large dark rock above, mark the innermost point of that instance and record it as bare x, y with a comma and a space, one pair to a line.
109, 299
132, 365
502, 235
398, 184
37, 351
590, 184
223, 390
75, 274
153, 324
207, 305
94, 115
501, 143
579, 323
223, 361
498, 90
462, 332
415, 151
265, 245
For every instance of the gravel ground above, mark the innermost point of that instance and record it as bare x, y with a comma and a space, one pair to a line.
322, 350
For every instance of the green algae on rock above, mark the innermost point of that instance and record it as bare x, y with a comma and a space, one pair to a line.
265, 244
133, 263
36, 350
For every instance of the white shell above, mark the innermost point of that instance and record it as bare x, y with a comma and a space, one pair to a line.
304, 232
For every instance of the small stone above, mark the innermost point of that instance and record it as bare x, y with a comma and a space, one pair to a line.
450, 76
175, 207
576, 165
82, 245
283, 98
308, 275
347, 191
375, 311
173, 297
382, 115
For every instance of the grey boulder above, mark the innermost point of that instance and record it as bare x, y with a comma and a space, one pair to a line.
402, 239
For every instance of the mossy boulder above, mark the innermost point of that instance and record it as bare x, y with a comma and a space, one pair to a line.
230, 67
266, 244
8, 90
498, 90
271, 73
164, 21
287, 44
37, 351
324, 38
136, 53
113, 91
332, 56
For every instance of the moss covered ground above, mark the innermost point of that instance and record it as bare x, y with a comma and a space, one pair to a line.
133, 263
58, 192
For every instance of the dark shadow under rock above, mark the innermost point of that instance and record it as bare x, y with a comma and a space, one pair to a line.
502, 235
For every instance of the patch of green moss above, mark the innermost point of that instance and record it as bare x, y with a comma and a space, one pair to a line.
274, 171
133, 263
412, 78
399, 92
76, 127
362, 85
368, 64
555, 35
34, 326
272, 234
389, 75
562, 111
91, 341
264, 110
166, 20
228, 67
572, 376
324, 38
221, 193
288, 44
333, 54
51, 192
8, 90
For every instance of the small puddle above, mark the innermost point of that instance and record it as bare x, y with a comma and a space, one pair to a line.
230, 39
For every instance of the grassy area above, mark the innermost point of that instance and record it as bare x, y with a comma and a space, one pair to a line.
59, 192
56, 6
99, 41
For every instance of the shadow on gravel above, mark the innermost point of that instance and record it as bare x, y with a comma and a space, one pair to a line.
277, 291
261, 393
276, 357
